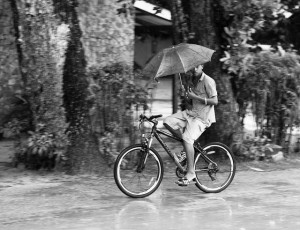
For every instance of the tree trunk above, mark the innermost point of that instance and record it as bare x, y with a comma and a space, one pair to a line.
41, 57
53, 71
180, 34
11, 85
83, 152
205, 19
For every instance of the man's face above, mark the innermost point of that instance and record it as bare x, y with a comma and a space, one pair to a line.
199, 69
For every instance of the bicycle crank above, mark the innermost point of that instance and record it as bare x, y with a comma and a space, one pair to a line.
179, 173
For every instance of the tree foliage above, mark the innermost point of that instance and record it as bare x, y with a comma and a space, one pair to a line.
267, 80
114, 95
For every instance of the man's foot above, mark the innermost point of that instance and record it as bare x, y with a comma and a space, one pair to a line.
186, 180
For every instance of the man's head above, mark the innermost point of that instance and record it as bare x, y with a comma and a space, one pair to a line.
199, 70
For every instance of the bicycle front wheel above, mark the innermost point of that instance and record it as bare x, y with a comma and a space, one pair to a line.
215, 169
132, 179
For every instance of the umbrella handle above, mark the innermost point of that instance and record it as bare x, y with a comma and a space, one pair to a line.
180, 80
182, 87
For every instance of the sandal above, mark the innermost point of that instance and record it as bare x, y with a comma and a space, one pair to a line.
184, 181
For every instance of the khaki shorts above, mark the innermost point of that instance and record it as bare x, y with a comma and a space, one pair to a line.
190, 127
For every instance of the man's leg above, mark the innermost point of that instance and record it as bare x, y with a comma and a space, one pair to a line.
193, 131
189, 149
175, 123
175, 132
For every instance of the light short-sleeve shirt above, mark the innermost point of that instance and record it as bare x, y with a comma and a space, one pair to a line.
206, 87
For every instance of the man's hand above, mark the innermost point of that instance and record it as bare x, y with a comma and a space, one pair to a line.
191, 94
183, 91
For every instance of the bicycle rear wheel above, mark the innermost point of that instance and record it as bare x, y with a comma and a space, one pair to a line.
215, 169
131, 179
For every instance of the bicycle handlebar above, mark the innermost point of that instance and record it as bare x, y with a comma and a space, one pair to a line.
144, 117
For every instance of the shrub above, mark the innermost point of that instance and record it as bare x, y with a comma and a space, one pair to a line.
115, 95
41, 149
255, 148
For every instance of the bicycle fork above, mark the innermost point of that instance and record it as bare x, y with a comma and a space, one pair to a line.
144, 153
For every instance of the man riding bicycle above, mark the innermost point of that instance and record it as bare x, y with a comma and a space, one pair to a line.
192, 122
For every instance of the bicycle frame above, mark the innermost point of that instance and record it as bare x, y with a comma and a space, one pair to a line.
139, 168
164, 145
156, 133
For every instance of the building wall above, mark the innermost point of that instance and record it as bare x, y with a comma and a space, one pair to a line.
161, 91
107, 37
145, 49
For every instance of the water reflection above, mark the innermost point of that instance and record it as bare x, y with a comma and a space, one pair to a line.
137, 213
254, 201
174, 213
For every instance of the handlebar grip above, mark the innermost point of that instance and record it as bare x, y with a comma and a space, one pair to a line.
155, 116
142, 117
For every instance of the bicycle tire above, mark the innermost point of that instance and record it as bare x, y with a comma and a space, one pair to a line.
211, 178
125, 171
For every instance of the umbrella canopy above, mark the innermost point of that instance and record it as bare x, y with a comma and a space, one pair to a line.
177, 59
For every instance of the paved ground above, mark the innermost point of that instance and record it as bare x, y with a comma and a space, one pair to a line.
262, 196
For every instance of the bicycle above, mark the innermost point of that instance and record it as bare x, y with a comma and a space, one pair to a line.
138, 169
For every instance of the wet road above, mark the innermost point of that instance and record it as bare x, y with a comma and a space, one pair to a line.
255, 200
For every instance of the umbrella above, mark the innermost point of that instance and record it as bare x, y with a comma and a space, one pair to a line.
177, 59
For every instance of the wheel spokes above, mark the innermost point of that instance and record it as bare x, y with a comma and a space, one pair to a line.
139, 178
214, 169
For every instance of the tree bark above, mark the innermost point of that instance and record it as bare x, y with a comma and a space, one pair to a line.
180, 34
53, 69
205, 18
83, 153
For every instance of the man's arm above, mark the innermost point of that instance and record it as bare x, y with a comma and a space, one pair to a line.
208, 101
